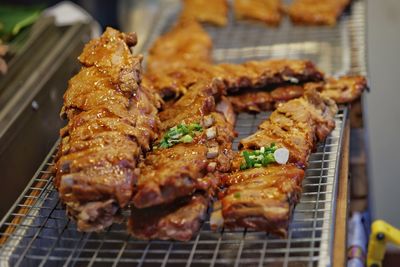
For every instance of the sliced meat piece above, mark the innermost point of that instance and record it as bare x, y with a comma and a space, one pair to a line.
267, 11
180, 220
316, 12
168, 174
214, 12
345, 89
198, 102
252, 74
286, 93
186, 42
252, 102
111, 55
261, 198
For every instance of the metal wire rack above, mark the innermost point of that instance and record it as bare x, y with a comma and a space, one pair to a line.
336, 50
37, 232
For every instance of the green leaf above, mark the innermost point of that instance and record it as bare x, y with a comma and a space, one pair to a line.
14, 18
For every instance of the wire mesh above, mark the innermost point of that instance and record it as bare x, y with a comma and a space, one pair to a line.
336, 50
37, 232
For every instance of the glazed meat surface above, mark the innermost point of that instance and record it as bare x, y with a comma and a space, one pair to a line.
345, 89
186, 42
180, 220
214, 12
185, 170
198, 102
177, 171
342, 90
251, 74
168, 174
252, 102
267, 11
261, 198
316, 12
296, 125
112, 120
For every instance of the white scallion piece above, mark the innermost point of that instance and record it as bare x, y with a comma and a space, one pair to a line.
211, 133
208, 121
212, 152
281, 155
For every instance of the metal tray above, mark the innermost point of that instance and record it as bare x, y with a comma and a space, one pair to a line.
37, 232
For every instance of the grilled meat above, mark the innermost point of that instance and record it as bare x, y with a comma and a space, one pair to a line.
252, 102
199, 101
252, 74
311, 108
112, 120
342, 90
214, 12
186, 42
188, 171
260, 198
345, 89
177, 171
286, 93
167, 174
178, 221
267, 11
316, 12
263, 197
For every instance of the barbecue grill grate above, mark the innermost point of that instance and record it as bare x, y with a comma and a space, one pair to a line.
36, 231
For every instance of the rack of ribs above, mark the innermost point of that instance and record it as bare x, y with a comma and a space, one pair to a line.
112, 120
186, 173
262, 197
342, 90
267, 11
252, 74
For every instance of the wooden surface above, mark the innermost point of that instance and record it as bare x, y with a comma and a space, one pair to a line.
339, 246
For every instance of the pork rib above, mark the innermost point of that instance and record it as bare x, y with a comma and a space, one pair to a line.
251, 74
263, 198
342, 90
112, 121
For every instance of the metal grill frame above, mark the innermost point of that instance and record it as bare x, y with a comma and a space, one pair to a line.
43, 235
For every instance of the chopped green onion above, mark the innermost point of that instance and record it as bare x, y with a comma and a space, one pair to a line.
186, 139
258, 158
236, 195
195, 127
180, 133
